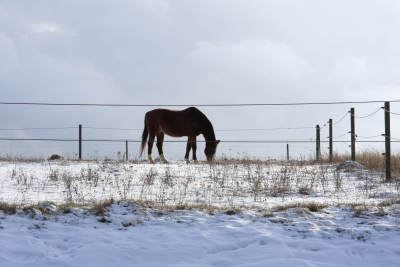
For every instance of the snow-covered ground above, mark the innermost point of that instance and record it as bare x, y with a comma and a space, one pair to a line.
236, 214
225, 184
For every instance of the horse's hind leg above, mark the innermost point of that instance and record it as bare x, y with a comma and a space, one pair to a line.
150, 147
160, 140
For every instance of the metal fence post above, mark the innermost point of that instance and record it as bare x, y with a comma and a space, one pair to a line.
80, 141
330, 140
353, 135
387, 141
126, 150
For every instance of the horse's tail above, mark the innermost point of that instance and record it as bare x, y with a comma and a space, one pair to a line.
144, 137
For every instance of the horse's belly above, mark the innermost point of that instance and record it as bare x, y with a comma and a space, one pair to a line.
179, 128
179, 133
171, 133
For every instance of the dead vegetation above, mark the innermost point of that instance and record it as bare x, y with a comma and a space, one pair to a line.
225, 185
100, 208
311, 206
371, 158
7, 208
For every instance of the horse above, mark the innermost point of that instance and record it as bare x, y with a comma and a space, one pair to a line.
189, 122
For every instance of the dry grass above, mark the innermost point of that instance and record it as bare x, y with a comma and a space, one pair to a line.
210, 209
8, 208
268, 215
8, 157
312, 206
371, 158
100, 208
389, 202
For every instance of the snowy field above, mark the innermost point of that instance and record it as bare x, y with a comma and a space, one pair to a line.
233, 213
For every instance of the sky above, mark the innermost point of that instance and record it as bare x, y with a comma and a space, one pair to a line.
197, 53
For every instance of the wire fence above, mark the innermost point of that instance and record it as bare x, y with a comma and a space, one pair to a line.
310, 140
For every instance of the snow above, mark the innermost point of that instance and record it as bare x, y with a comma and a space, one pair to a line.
141, 228
349, 165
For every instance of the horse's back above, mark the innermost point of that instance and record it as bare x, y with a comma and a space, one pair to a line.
161, 113
175, 122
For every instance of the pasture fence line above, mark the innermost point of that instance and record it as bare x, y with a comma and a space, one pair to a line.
387, 135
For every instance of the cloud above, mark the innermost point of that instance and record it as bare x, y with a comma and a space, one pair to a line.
258, 57
47, 32
9, 58
365, 77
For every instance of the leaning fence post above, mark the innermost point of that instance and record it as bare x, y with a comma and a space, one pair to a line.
353, 135
387, 141
80, 141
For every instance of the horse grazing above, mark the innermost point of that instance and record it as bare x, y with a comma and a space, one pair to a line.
190, 122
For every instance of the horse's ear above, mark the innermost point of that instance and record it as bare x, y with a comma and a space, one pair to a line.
216, 144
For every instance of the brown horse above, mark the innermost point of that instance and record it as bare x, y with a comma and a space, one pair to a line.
190, 122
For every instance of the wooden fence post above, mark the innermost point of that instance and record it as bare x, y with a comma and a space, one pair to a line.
387, 141
318, 144
330, 140
80, 141
287, 151
353, 135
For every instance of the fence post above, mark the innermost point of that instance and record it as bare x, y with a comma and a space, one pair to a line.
318, 145
126, 150
387, 141
287, 151
330, 140
80, 141
353, 135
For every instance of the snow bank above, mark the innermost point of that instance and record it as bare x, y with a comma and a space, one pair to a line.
350, 166
132, 235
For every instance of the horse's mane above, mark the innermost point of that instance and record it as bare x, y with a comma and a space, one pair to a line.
208, 129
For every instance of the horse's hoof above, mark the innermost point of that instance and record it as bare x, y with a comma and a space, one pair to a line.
150, 160
163, 159
195, 161
187, 160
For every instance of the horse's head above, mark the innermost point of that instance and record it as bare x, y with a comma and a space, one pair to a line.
211, 148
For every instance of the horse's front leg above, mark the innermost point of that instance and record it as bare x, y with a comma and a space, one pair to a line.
160, 140
150, 147
194, 147
191, 144
188, 147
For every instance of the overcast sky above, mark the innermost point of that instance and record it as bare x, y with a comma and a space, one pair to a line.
196, 52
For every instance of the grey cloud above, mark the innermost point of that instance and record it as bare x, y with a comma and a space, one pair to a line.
9, 60
262, 58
